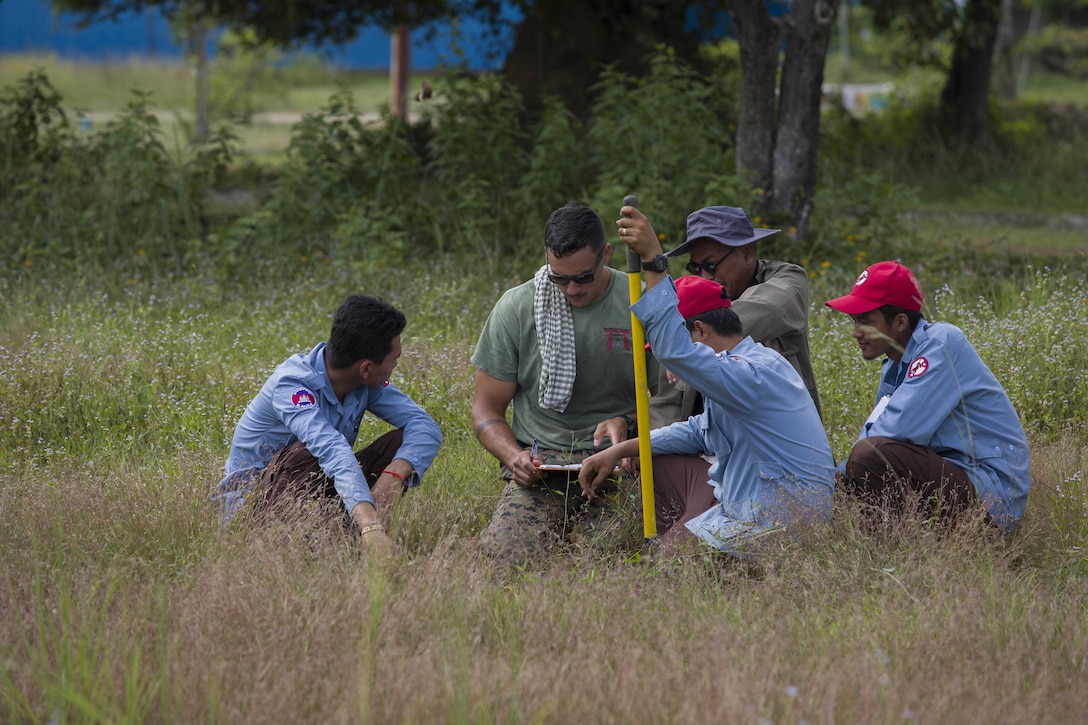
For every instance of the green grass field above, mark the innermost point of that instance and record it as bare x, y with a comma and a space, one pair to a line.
124, 601
108, 86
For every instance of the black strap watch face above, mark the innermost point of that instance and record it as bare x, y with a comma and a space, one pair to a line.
660, 263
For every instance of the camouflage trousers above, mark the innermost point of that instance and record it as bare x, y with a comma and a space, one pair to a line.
533, 521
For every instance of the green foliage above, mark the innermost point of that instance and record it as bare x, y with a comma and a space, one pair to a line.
919, 32
1061, 49
1028, 328
477, 176
665, 137
245, 77
113, 193
862, 220
558, 168
723, 61
332, 193
478, 158
474, 177
1039, 158
34, 127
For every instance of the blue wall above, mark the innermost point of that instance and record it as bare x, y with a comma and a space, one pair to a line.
30, 26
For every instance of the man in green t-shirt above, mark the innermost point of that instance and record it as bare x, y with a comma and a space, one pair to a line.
559, 348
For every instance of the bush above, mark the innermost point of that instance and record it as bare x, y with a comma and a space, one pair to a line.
666, 138
1061, 49
76, 198
1038, 157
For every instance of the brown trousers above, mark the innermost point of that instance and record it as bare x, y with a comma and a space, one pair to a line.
892, 474
294, 473
681, 492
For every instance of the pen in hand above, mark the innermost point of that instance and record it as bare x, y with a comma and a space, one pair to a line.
533, 451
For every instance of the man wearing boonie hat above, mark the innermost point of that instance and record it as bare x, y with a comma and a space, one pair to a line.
772, 467
770, 297
943, 428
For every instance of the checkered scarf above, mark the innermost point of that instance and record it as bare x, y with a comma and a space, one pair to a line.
555, 337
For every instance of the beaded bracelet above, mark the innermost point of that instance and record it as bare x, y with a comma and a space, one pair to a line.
372, 526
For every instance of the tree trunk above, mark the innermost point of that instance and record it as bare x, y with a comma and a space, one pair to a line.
399, 67
964, 101
1034, 24
203, 85
760, 39
561, 46
807, 39
776, 153
1004, 74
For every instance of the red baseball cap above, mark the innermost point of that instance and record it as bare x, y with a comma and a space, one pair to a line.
697, 295
883, 283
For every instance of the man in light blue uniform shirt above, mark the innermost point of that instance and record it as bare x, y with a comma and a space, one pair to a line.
772, 464
296, 437
943, 430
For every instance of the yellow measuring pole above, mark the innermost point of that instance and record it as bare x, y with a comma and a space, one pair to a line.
642, 394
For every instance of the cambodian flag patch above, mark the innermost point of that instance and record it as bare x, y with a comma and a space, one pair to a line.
303, 398
918, 368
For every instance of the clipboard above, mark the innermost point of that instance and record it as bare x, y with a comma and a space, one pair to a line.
567, 467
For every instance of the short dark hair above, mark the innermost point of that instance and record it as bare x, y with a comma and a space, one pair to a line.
722, 320
572, 227
890, 312
363, 329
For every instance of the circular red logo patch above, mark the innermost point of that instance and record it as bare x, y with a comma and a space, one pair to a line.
918, 368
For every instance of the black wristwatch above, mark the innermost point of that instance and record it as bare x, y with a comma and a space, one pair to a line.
660, 263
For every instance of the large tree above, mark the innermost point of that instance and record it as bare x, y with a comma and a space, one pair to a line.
971, 29
561, 46
779, 115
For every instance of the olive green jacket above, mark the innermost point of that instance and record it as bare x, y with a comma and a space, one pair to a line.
774, 312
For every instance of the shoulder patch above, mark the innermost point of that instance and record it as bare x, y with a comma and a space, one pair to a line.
303, 398
918, 368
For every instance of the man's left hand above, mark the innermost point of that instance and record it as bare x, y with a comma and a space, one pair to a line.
597, 469
615, 429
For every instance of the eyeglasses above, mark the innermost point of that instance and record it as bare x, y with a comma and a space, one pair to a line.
585, 278
708, 267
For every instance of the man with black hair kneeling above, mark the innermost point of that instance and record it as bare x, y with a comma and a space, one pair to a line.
295, 439
943, 430
770, 465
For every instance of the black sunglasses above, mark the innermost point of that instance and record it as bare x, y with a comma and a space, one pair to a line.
708, 267
585, 278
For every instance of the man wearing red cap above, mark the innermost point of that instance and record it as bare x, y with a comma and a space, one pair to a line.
772, 467
943, 429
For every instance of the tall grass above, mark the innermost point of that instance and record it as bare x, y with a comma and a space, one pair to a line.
124, 601
137, 326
